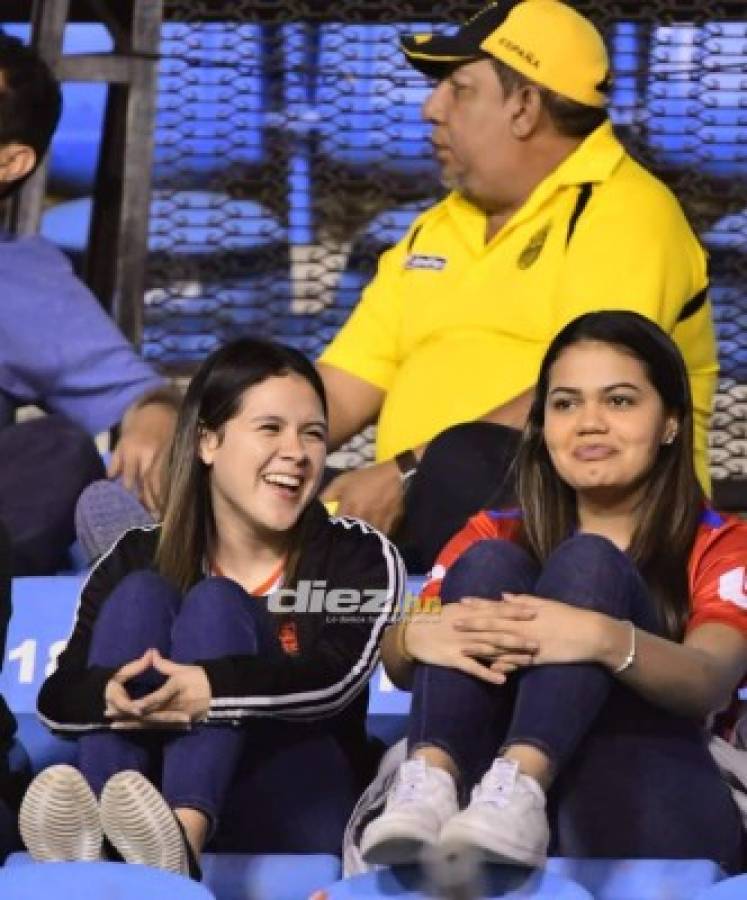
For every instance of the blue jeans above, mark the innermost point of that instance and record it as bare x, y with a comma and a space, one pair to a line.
251, 781
632, 779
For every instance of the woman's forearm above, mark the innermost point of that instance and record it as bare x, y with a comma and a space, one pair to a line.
683, 679
399, 668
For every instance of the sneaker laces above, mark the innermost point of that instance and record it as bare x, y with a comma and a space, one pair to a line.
498, 783
410, 784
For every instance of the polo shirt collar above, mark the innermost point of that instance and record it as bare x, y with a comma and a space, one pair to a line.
594, 160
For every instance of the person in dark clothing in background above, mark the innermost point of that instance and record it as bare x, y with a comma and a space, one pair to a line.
61, 352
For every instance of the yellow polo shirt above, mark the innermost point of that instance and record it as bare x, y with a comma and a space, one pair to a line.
452, 327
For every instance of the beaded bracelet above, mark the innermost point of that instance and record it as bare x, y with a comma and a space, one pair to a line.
630, 658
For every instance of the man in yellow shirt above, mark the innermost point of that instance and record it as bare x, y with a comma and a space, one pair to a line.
548, 217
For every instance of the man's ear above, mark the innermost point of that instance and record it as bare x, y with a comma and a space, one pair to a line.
527, 111
16, 161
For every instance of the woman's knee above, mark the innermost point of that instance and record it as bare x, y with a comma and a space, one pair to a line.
588, 570
218, 617
487, 569
136, 615
142, 593
210, 595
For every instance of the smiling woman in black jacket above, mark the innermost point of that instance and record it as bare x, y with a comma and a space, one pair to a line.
189, 665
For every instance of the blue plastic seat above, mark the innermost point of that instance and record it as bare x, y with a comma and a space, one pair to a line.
182, 222
729, 889
43, 610
695, 96
369, 99
268, 876
93, 881
351, 96
406, 883
211, 99
239, 876
189, 309
639, 879
725, 242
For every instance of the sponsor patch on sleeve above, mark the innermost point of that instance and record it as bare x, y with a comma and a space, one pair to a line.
423, 261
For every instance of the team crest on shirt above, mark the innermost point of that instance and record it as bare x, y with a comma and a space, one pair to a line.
732, 587
531, 252
424, 261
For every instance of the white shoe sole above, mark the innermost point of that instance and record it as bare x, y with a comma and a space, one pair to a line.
59, 817
492, 847
395, 842
140, 824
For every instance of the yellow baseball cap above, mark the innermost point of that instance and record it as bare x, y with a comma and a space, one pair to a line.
546, 40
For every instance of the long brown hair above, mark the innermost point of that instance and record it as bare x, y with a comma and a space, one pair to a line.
213, 398
669, 515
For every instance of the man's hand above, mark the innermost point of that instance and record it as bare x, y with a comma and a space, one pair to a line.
374, 494
141, 452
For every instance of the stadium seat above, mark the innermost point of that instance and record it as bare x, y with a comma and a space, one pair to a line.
43, 610
93, 881
247, 876
189, 310
409, 883
602, 879
211, 101
369, 99
729, 889
238, 876
695, 120
639, 879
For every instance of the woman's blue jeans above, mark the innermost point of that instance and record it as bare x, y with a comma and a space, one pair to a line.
266, 786
632, 779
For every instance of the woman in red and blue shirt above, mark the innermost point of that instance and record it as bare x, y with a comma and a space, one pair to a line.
585, 639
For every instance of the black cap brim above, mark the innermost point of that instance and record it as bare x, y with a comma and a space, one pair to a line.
436, 55
439, 55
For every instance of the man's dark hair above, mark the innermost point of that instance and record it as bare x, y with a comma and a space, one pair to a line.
30, 98
572, 119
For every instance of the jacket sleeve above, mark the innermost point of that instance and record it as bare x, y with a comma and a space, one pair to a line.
327, 675
71, 700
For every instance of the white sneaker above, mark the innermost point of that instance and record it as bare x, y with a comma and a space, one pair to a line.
141, 825
421, 799
506, 818
59, 817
